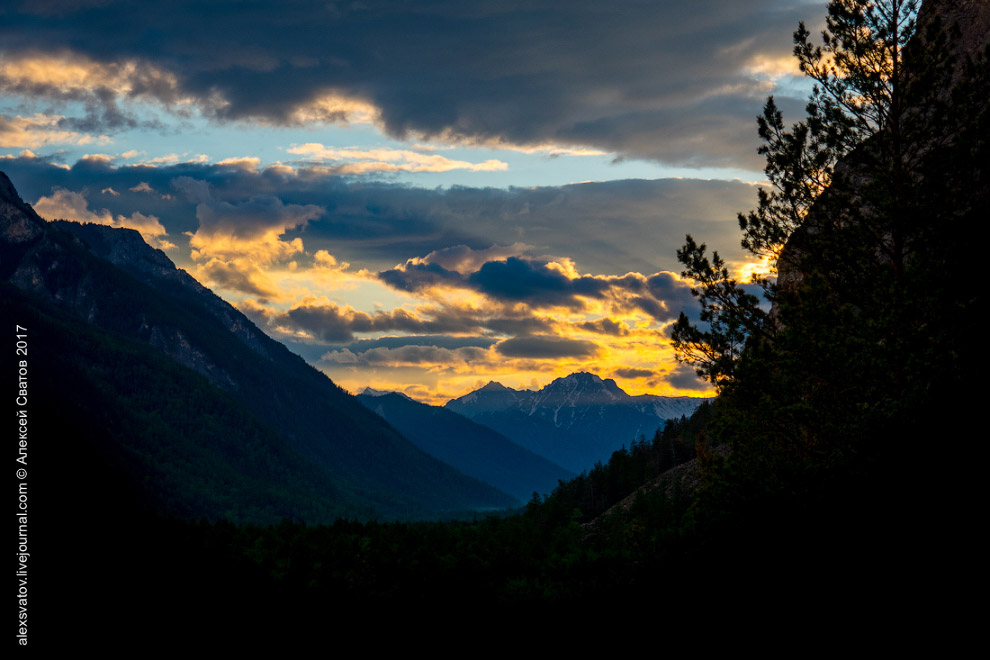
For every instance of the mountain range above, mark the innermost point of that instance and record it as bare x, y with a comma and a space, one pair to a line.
574, 421
475, 450
173, 396
164, 391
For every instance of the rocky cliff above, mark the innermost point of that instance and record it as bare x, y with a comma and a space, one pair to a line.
930, 156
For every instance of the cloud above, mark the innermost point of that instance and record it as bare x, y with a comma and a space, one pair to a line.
247, 163
64, 204
335, 108
411, 356
529, 281
390, 160
333, 323
464, 260
252, 225
684, 377
547, 347
72, 75
63, 75
549, 150
240, 275
609, 227
543, 284
605, 326
39, 130
236, 244
168, 158
67, 205
674, 81
632, 372
448, 240
320, 320
441, 341
255, 218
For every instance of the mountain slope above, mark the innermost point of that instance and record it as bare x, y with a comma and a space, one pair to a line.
475, 450
109, 279
574, 421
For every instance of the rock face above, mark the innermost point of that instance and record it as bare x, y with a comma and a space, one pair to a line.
19, 223
936, 107
971, 16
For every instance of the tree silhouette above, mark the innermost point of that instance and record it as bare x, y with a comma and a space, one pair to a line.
858, 97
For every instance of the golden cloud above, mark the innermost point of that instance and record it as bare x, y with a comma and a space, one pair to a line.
242, 264
390, 160
773, 67
246, 163
69, 75
237, 245
39, 130
237, 275
449, 139
67, 205
334, 108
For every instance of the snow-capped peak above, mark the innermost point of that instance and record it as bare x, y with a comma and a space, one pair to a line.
370, 391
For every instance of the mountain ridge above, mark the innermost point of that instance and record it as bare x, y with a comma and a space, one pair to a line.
472, 448
110, 280
573, 421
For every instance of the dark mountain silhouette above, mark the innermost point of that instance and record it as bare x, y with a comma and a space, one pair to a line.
574, 421
179, 395
475, 450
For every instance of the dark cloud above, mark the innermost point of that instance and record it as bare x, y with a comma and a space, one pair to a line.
253, 217
632, 372
524, 280
608, 228
539, 284
675, 294
107, 118
224, 275
685, 377
410, 355
314, 352
440, 341
605, 327
520, 325
459, 226
543, 347
418, 276
660, 80
327, 323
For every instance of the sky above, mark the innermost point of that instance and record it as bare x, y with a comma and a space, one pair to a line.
414, 196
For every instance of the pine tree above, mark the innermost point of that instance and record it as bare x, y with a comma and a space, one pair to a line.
859, 97
873, 200
838, 402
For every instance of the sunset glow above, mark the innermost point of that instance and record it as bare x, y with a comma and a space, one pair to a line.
423, 201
